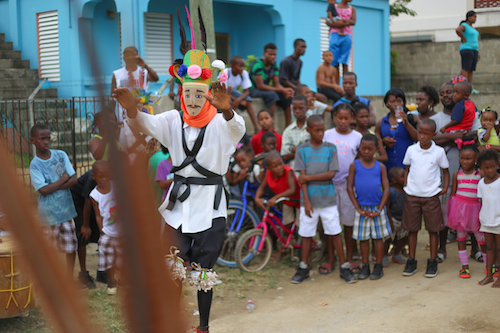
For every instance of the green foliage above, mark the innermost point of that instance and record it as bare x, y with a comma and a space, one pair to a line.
249, 61
394, 62
400, 7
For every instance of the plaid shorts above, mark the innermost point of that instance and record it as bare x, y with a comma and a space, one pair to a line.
109, 252
63, 236
366, 228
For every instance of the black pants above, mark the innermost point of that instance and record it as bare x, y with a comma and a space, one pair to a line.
203, 247
330, 93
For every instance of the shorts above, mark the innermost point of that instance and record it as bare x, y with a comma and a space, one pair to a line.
340, 45
344, 203
490, 230
329, 219
291, 213
469, 59
63, 236
330, 93
271, 97
202, 248
398, 232
429, 208
109, 252
366, 228
95, 233
236, 94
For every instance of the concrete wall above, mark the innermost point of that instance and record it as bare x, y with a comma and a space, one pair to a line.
435, 63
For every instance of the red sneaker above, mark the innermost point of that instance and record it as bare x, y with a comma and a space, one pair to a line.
464, 273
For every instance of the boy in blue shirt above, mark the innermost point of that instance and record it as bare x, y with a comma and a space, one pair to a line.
317, 163
52, 175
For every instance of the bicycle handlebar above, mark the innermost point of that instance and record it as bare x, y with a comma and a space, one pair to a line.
282, 199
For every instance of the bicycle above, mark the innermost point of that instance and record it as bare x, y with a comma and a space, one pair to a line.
254, 248
240, 218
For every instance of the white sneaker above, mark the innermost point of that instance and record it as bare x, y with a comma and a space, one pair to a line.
111, 291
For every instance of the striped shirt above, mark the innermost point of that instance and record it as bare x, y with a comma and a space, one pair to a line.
467, 185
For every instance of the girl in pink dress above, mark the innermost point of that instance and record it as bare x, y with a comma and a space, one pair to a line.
464, 205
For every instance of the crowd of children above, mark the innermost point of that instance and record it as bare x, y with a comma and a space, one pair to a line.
379, 185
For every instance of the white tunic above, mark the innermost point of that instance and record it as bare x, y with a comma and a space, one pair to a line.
196, 213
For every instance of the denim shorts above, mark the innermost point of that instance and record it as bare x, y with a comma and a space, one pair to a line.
340, 45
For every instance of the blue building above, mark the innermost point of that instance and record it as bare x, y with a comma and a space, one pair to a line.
50, 34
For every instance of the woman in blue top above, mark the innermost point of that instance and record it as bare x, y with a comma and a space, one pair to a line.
469, 47
397, 133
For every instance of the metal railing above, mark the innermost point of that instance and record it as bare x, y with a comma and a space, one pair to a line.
69, 120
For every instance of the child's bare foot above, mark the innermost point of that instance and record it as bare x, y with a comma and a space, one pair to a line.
486, 280
496, 284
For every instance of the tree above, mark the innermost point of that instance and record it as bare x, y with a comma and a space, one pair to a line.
398, 7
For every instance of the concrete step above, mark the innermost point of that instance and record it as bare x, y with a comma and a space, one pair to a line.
10, 54
14, 63
23, 93
16, 73
19, 83
5, 45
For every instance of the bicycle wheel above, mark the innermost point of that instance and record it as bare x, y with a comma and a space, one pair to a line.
250, 221
247, 255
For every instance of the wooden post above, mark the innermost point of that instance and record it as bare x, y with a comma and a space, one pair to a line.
207, 12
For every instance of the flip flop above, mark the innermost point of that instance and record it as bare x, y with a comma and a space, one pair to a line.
325, 268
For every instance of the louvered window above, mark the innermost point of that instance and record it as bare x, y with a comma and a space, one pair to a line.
325, 43
158, 41
48, 45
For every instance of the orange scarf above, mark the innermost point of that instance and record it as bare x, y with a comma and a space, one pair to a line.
208, 111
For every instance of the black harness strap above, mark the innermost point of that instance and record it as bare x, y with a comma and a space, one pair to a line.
211, 177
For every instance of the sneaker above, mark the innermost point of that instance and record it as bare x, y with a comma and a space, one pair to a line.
398, 259
378, 272
102, 277
432, 268
385, 261
464, 273
410, 267
495, 270
346, 274
301, 275
86, 280
364, 272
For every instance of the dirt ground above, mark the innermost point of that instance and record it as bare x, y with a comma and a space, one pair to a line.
394, 303
322, 303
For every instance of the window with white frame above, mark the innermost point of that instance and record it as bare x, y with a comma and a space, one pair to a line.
325, 42
158, 41
48, 45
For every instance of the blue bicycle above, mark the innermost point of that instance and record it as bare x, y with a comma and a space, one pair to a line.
240, 218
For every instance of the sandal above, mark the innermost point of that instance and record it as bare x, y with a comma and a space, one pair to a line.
478, 256
325, 268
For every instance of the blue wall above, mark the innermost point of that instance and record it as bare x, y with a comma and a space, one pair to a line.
250, 25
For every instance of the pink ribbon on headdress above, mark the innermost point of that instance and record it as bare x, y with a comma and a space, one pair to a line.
460, 143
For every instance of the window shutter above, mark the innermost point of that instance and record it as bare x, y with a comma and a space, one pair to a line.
158, 41
325, 43
48, 45
324, 37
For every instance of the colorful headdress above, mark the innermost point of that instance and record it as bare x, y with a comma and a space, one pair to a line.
196, 64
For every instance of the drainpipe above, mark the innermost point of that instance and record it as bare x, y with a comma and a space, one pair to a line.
30, 108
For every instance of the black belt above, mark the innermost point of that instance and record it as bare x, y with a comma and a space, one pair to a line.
179, 180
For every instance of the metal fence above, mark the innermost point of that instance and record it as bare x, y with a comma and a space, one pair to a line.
69, 120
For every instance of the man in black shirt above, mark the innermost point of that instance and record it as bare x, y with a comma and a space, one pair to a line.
290, 66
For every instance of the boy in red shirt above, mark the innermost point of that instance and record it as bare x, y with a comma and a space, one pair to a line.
282, 181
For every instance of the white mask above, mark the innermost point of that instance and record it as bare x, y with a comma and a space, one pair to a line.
192, 93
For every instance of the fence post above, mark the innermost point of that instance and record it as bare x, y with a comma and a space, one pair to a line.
73, 131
